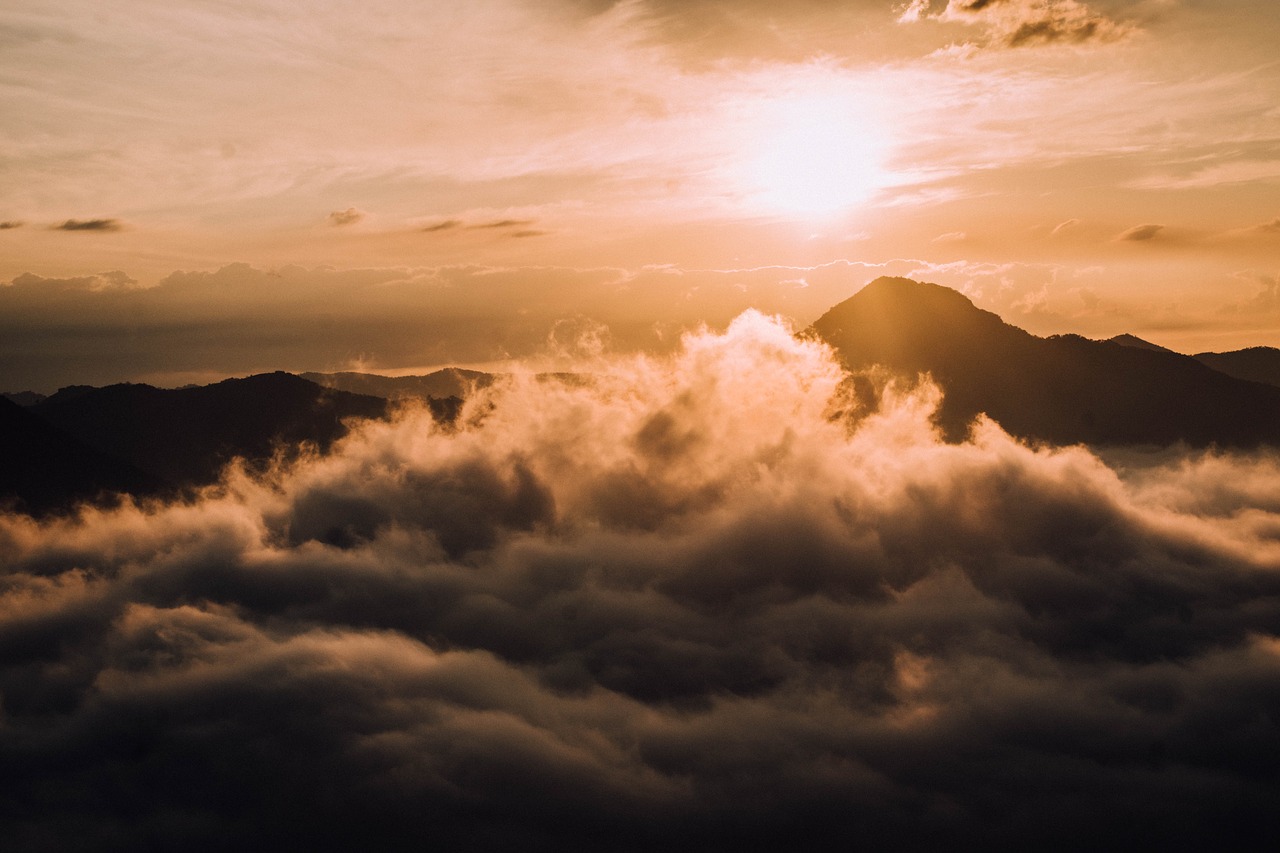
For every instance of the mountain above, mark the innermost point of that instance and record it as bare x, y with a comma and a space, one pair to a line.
1127, 340
439, 385
45, 469
1064, 389
1256, 364
23, 398
185, 436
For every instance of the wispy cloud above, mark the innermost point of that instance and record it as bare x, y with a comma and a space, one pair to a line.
1140, 233
89, 225
503, 223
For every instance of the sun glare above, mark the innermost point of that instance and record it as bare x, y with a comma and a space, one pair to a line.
812, 156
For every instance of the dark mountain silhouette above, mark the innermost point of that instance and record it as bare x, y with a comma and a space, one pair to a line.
23, 398
44, 469
1256, 364
1064, 389
1127, 340
438, 385
185, 436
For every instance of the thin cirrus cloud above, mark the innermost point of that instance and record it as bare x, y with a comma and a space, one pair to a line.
89, 225
1140, 233
503, 223
446, 225
631, 613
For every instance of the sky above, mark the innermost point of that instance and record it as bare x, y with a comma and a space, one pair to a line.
1094, 167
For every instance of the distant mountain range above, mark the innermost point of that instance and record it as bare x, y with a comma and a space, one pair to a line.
1064, 389
1256, 364
85, 443
439, 385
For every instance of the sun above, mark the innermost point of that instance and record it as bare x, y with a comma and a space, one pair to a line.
811, 156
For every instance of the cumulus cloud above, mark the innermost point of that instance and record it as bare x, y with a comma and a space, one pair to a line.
726, 599
350, 216
1139, 233
89, 225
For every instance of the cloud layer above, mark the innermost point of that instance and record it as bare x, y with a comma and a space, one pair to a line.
722, 600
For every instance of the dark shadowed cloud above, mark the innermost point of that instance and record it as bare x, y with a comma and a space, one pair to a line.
350, 216
1139, 233
89, 225
10, 224
634, 614
446, 225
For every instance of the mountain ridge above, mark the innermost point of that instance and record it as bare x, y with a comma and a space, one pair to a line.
1064, 390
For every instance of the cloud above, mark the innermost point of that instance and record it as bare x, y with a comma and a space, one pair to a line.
350, 216
1019, 23
634, 613
1272, 227
10, 224
104, 282
241, 319
1265, 301
89, 225
1064, 226
951, 237
504, 223
446, 225
1139, 233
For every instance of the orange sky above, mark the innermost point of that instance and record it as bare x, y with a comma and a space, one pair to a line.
1097, 167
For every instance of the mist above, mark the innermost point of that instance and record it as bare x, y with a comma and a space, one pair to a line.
726, 598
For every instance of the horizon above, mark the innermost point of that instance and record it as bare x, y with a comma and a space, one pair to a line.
552, 356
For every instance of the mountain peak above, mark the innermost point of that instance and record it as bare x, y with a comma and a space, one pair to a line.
1128, 340
1065, 389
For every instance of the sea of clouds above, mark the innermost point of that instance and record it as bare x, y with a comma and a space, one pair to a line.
715, 600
